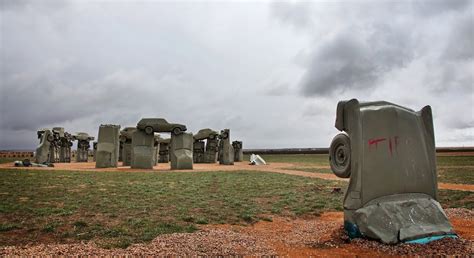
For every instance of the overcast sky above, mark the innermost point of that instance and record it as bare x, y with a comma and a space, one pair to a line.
271, 72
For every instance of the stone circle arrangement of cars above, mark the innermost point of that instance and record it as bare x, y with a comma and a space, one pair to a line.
140, 147
387, 151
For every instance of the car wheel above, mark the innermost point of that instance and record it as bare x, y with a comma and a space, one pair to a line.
149, 130
50, 138
340, 156
177, 130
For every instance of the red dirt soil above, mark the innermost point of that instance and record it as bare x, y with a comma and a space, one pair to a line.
324, 236
284, 236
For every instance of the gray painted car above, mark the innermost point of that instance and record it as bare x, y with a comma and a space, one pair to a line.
42, 153
159, 125
238, 151
164, 150
206, 133
126, 140
226, 151
204, 139
388, 152
83, 145
108, 146
64, 142
181, 151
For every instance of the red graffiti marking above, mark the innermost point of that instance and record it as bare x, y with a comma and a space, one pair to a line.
392, 143
390, 146
376, 141
396, 143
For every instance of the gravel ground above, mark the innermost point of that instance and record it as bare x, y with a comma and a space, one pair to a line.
459, 213
284, 236
447, 246
213, 242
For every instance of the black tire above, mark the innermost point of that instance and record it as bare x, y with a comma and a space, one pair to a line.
50, 138
177, 131
26, 163
340, 155
149, 130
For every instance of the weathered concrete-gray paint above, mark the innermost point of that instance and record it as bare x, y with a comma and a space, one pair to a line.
210, 155
126, 139
198, 151
156, 149
142, 150
159, 125
205, 152
64, 143
94, 151
42, 152
83, 145
390, 159
238, 151
226, 151
55, 145
163, 156
108, 146
181, 151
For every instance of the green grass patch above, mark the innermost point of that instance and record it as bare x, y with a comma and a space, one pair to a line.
8, 160
314, 159
455, 160
323, 159
116, 209
456, 175
456, 199
9, 226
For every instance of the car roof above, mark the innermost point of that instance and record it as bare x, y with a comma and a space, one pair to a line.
151, 119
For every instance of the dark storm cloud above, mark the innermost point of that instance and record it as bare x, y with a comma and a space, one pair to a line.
340, 63
36, 101
79, 64
348, 62
369, 41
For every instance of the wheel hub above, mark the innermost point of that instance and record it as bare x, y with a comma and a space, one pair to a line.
341, 156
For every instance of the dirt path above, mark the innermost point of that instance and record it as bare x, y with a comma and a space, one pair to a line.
283, 236
276, 167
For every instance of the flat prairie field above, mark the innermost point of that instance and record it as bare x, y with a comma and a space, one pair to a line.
292, 206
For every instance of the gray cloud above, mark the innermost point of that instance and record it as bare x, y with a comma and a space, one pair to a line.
347, 61
276, 90
461, 40
437, 7
368, 42
299, 14
230, 65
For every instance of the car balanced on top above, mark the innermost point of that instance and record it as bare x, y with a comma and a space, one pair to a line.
160, 125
